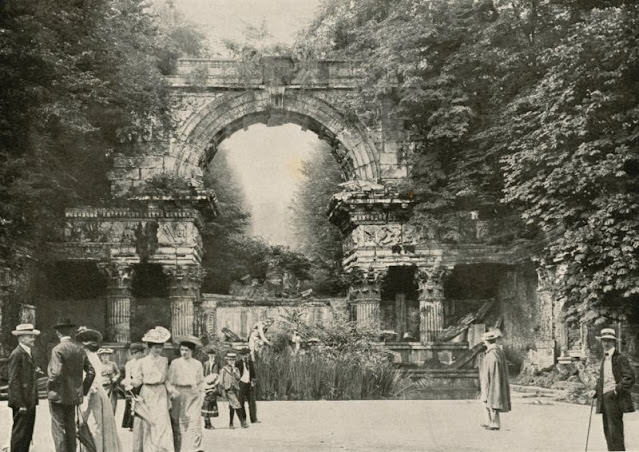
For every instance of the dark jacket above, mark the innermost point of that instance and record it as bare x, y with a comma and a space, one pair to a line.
65, 385
240, 366
624, 378
23, 388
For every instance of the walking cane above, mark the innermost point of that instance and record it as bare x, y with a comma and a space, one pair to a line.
592, 404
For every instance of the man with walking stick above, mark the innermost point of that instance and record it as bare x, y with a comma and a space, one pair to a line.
612, 392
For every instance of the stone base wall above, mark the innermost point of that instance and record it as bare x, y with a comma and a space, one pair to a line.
517, 302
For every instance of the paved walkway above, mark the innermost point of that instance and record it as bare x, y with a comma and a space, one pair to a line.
438, 425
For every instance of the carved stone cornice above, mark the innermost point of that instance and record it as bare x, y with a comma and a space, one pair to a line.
184, 273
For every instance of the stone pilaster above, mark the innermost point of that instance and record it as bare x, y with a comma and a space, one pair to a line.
550, 325
365, 298
184, 296
430, 282
118, 299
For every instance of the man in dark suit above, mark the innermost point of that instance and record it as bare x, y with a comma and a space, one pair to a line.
23, 389
66, 387
616, 379
247, 384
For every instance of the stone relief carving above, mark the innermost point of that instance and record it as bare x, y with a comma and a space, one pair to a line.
120, 274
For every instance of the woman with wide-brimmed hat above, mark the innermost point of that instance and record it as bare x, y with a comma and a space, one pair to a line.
187, 377
110, 375
96, 409
153, 433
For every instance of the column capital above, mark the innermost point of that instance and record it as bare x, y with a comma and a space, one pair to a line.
430, 281
118, 273
194, 273
366, 284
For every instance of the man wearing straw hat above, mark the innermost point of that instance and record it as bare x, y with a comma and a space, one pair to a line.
23, 388
616, 379
493, 378
66, 388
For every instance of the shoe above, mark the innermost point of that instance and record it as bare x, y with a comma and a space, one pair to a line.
484, 425
492, 427
256, 422
209, 427
244, 424
231, 426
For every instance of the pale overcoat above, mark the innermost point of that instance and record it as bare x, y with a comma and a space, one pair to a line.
493, 378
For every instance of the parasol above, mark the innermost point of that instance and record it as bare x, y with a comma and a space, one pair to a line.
84, 435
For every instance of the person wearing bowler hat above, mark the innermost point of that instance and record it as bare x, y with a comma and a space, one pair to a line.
248, 380
23, 388
136, 351
187, 377
153, 433
70, 377
493, 379
612, 392
110, 375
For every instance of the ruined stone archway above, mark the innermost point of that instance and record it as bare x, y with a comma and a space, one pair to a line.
198, 137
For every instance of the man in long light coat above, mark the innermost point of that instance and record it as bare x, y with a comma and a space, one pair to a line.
493, 378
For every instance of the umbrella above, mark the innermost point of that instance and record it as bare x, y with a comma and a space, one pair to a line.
139, 408
84, 434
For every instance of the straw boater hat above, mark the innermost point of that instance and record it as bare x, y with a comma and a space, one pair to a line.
104, 351
491, 335
230, 355
608, 333
85, 334
25, 329
157, 335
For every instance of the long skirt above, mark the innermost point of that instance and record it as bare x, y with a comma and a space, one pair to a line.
186, 420
153, 434
113, 395
101, 421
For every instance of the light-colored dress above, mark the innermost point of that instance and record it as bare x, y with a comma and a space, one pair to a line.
109, 373
187, 377
153, 434
96, 409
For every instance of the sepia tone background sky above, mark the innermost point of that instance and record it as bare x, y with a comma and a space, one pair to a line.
266, 160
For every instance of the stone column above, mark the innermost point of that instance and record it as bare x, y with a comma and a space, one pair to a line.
545, 342
118, 299
365, 298
430, 282
184, 296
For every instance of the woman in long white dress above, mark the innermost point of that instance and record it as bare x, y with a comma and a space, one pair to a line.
96, 409
152, 432
186, 375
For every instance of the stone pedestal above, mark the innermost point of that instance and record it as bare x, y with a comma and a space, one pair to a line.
118, 299
431, 303
184, 296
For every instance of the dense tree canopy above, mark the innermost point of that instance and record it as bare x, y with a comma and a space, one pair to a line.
522, 109
78, 78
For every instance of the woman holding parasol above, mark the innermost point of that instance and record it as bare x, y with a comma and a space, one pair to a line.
152, 423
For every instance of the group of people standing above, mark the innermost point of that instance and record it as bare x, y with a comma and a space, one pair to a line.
167, 405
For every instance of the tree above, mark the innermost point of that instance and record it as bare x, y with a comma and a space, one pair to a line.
318, 239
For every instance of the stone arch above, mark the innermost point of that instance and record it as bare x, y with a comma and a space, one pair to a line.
199, 135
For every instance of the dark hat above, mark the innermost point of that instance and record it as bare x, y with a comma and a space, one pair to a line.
188, 340
64, 323
85, 334
136, 347
244, 351
210, 350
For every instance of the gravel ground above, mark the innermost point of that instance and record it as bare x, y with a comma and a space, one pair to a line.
437, 425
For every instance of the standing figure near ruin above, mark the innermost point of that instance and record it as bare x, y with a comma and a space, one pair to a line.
615, 381
257, 337
493, 378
